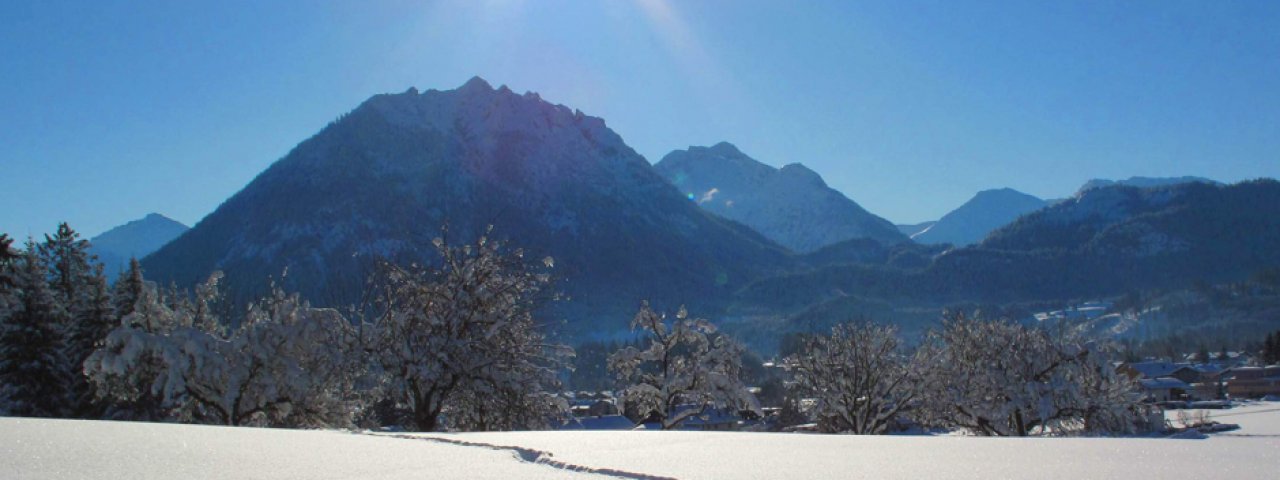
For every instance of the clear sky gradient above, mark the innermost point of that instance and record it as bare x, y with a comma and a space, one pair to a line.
110, 110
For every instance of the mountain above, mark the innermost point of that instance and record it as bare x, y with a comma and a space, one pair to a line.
381, 181
135, 239
1103, 243
985, 212
914, 228
790, 205
1116, 239
1143, 182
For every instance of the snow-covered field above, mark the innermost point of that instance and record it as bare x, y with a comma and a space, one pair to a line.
48, 449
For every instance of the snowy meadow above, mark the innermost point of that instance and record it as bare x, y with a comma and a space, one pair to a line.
55, 449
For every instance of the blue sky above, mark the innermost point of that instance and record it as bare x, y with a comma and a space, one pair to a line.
110, 110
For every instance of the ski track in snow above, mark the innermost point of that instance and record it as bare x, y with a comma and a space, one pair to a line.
534, 456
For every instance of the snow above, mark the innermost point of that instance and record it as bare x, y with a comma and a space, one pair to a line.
39, 449
694, 455
1256, 420
58, 449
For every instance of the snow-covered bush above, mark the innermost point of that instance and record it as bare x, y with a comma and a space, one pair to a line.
460, 340
1004, 379
129, 371
860, 379
683, 372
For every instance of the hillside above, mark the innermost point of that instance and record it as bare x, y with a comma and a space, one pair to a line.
1105, 242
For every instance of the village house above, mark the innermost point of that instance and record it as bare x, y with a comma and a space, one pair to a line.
1164, 389
1149, 370
1253, 382
1163, 381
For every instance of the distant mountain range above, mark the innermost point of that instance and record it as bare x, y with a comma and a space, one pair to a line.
790, 205
1106, 241
985, 212
135, 239
992, 209
381, 181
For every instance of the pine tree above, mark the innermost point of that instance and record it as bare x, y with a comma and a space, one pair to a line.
1271, 349
1275, 349
8, 290
8, 282
7, 258
89, 331
74, 278
33, 377
67, 257
128, 289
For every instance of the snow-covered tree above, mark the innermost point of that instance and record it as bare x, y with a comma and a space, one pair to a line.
33, 367
284, 365
129, 371
685, 369
860, 378
460, 339
1003, 379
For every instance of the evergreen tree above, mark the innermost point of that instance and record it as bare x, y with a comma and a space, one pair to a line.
7, 258
128, 289
78, 285
33, 377
67, 258
8, 284
8, 292
89, 332
1271, 349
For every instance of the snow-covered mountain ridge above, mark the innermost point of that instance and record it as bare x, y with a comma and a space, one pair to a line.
791, 205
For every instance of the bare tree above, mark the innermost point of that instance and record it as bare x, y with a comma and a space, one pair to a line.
861, 380
685, 370
456, 338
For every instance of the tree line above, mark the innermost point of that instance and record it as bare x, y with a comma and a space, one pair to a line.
456, 341
457, 345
